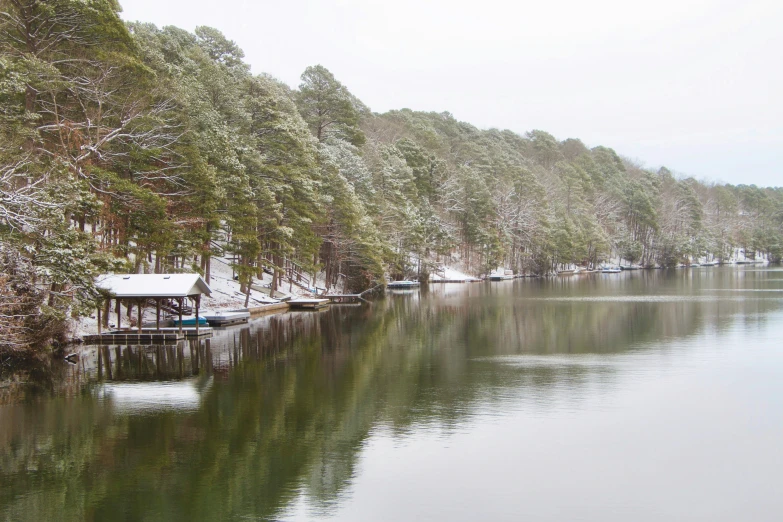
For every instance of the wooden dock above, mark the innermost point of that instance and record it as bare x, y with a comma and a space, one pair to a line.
344, 298
267, 309
437, 281
134, 338
148, 336
308, 304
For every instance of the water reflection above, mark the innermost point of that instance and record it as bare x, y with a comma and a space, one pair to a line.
250, 422
134, 398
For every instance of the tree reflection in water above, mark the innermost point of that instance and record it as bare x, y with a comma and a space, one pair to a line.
241, 424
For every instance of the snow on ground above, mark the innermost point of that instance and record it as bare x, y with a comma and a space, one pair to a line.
225, 296
84, 326
225, 290
451, 274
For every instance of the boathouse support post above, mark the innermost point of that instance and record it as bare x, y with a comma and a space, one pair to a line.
180, 301
157, 314
119, 315
99, 317
198, 302
106, 312
140, 304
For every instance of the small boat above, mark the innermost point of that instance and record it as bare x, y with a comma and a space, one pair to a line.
500, 277
227, 317
191, 321
566, 272
610, 270
629, 267
402, 284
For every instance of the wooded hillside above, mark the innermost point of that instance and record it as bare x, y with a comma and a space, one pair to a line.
127, 147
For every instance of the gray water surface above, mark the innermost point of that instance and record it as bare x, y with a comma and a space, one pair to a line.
649, 395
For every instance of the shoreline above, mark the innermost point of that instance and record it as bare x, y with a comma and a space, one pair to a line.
13, 371
269, 309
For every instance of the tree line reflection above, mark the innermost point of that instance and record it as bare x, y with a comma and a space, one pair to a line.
283, 406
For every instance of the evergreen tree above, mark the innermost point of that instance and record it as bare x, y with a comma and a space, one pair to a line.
327, 106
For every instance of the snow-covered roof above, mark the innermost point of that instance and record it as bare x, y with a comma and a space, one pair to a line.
153, 285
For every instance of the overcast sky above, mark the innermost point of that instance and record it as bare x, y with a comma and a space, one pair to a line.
696, 85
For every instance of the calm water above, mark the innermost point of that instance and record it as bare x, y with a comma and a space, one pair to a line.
652, 395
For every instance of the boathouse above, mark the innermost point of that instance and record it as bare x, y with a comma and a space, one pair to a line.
141, 289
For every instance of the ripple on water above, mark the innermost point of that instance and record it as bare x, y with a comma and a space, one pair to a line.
744, 289
594, 361
643, 299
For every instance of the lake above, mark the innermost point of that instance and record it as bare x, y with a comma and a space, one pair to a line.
645, 395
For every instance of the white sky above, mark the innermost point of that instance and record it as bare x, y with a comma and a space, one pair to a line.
696, 85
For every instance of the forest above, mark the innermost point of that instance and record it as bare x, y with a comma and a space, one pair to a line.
125, 147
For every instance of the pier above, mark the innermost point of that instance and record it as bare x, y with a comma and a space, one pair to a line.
345, 298
149, 335
308, 304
